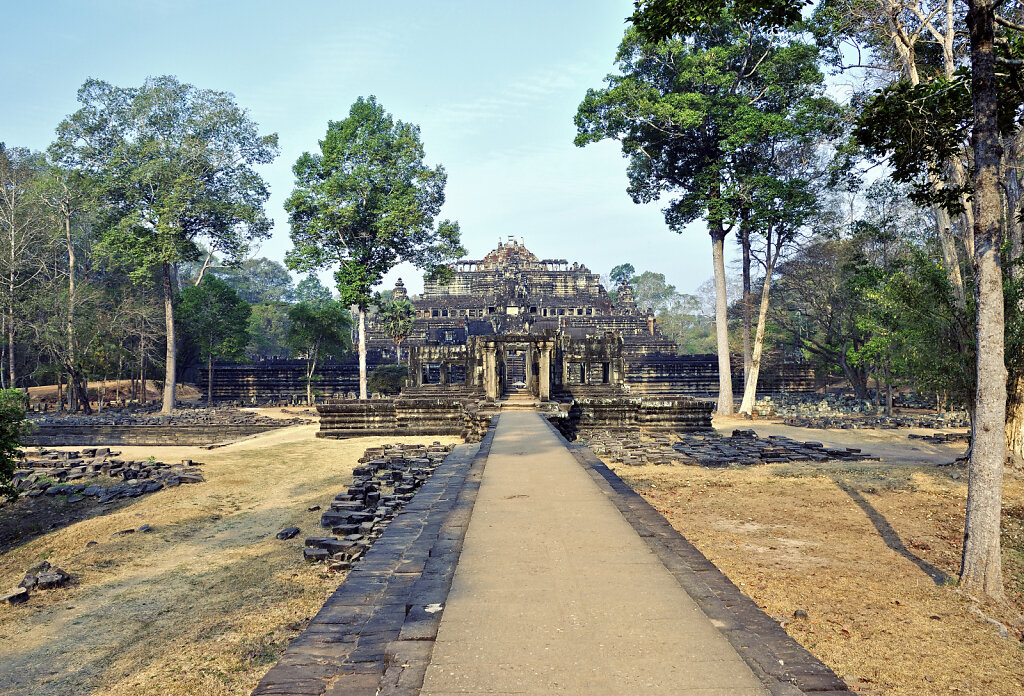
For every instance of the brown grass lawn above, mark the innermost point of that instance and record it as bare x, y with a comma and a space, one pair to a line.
206, 602
869, 550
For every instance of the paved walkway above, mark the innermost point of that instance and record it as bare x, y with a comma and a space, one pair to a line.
556, 593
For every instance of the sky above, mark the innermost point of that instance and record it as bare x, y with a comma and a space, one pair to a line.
494, 88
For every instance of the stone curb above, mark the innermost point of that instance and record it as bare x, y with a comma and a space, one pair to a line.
784, 666
375, 634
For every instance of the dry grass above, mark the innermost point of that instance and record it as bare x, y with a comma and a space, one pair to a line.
869, 550
206, 602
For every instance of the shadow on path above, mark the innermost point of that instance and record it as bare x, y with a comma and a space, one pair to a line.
889, 535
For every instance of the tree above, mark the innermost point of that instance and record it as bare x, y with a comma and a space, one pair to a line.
693, 113
216, 320
623, 273
259, 280
173, 165
388, 379
782, 200
981, 566
312, 291
366, 203
23, 238
69, 197
12, 427
268, 329
396, 320
318, 331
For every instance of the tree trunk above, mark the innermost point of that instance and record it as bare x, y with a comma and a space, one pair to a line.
858, 378
750, 387
362, 353
71, 293
60, 391
169, 372
209, 380
981, 571
725, 404
142, 371
888, 396
747, 297
1015, 422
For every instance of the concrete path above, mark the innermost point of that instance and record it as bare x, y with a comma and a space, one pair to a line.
555, 593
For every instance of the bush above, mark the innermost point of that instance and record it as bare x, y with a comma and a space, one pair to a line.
13, 426
387, 379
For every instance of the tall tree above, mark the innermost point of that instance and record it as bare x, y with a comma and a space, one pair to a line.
24, 239
174, 165
981, 567
315, 332
365, 203
693, 113
12, 428
396, 320
216, 320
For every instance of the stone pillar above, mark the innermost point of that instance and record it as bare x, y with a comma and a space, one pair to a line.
545, 372
490, 372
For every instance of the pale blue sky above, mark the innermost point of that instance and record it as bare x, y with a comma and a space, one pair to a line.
493, 87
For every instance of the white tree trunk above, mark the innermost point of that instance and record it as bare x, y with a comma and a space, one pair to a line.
171, 353
362, 353
750, 388
725, 405
981, 571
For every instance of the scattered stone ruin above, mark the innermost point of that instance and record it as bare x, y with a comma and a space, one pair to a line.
709, 449
53, 472
143, 426
386, 480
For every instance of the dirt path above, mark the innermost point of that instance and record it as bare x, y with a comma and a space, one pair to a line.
205, 602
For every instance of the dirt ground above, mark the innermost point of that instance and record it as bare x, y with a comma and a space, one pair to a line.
869, 550
203, 604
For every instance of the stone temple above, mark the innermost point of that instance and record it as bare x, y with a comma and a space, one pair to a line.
512, 330
512, 322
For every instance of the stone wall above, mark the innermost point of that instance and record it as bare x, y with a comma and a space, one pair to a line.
401, 416
274, 379
54, 435
630, 412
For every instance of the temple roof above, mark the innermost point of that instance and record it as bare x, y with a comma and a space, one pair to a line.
512, 253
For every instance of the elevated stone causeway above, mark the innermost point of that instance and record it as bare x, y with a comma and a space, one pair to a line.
528, 567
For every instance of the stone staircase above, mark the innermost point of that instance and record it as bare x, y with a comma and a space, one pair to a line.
519, 400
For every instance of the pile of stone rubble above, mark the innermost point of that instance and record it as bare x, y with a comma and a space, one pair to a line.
54, 472
386, 479
185, 414
41, 576
840, 411
743, 447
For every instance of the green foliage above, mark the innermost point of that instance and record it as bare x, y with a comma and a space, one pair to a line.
268, 330
13, 426
388, 379
661, 19
694, 117
396, 319
259, 280
367, 202
311, 291
215, 319
317, 331
623, 273
173, 163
